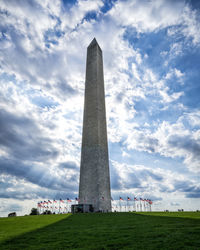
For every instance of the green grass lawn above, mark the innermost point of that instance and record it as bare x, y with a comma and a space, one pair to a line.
143, 230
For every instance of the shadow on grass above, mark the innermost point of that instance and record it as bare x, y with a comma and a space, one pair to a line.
112, 231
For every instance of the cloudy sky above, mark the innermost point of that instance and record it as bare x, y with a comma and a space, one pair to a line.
151, 55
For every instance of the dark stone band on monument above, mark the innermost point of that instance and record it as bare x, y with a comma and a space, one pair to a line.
94, 186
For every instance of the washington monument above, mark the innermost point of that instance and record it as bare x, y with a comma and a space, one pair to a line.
94, 186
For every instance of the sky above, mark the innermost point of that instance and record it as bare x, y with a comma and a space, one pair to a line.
151, 53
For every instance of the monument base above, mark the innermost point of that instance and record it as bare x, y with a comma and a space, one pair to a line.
82, 208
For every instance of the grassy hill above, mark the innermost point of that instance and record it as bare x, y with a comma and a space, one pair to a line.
177, 230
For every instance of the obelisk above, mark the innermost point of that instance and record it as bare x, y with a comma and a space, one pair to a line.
94, 186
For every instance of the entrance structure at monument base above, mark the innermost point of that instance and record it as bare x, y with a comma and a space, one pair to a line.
82, 208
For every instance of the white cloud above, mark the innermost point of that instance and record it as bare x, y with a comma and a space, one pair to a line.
193, 118
147, 182
135, 72
174, 72
147, 16
170, 98
170, 140
192, 26
178, 73
74, 16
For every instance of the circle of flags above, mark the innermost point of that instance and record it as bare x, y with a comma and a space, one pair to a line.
56, 206
122, 205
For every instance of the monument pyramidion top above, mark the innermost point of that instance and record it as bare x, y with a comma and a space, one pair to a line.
94, 43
